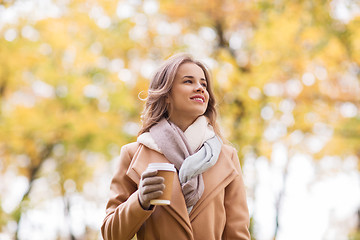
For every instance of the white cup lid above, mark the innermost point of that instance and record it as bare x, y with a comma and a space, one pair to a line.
162, 166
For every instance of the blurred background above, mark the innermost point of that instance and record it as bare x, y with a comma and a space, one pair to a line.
286, 76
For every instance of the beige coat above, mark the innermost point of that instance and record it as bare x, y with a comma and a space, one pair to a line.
221, 212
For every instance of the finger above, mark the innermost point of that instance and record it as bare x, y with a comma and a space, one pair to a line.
152, 195
153, 188
152, 181
148, 173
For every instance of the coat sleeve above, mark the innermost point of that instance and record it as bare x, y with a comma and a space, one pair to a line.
124, 214
237, 213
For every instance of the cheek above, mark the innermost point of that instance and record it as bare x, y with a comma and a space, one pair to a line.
207, 97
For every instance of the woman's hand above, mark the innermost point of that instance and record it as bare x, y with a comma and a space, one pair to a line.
150, 187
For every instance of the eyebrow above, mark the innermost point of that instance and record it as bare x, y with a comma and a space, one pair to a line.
192, 77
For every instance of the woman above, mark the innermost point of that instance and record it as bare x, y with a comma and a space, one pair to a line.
178, 126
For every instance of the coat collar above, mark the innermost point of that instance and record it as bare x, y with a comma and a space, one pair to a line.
223, 170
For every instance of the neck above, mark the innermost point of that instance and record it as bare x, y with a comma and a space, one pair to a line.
182, 123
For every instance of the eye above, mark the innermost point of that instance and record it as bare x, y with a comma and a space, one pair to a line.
204, 85
188, 81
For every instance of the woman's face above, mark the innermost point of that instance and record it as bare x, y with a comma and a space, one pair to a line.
188, 97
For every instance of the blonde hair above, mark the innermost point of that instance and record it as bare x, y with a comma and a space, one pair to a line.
156, 106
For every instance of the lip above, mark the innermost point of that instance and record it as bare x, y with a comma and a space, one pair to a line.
198, 96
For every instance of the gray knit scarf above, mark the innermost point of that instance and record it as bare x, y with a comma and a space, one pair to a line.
173, 144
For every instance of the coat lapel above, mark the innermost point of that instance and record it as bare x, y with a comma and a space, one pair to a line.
139, 163
215, 178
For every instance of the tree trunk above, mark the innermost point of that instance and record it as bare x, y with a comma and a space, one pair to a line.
32, 176
280, 200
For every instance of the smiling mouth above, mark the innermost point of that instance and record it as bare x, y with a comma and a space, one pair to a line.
198, 99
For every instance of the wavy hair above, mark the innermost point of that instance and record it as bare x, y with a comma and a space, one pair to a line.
156, 107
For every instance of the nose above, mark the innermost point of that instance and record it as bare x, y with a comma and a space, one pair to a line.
199, 88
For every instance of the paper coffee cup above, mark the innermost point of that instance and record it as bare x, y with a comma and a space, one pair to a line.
167, 171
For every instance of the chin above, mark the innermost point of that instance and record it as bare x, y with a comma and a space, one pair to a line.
198, 114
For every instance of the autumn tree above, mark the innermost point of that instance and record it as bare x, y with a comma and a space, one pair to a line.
285, 72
